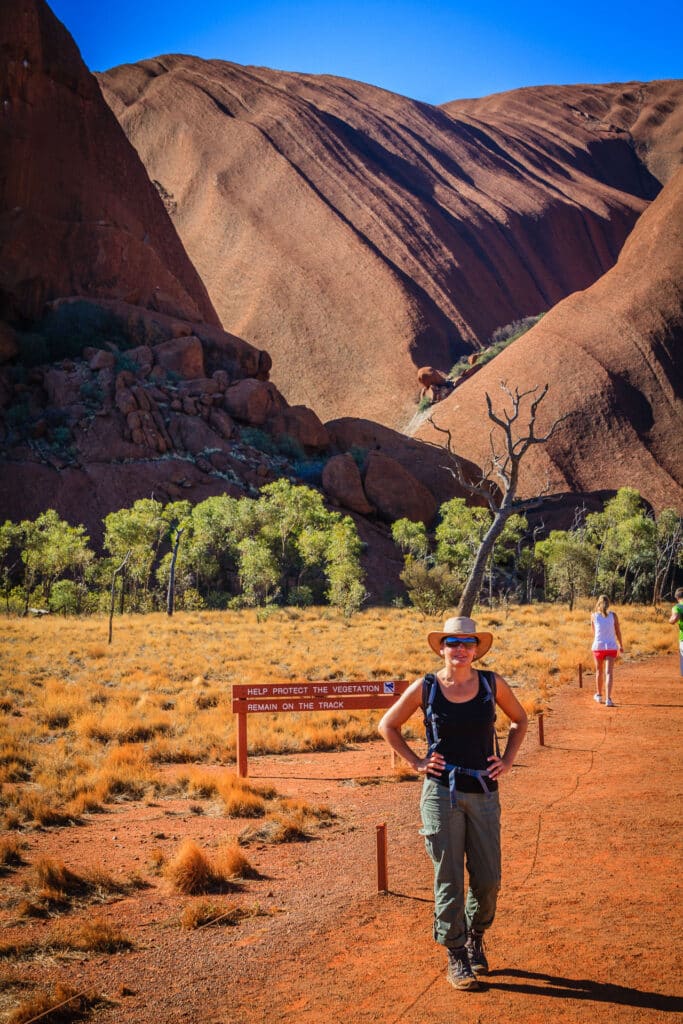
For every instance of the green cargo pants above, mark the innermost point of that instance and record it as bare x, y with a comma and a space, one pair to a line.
455, 837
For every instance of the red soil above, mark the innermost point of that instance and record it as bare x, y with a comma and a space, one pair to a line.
586, 929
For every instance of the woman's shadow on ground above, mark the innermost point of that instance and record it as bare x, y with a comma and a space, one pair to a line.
534, 984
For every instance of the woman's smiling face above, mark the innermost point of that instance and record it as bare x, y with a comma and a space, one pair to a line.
459, 650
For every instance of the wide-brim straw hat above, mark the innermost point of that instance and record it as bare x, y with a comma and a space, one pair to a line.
460, 625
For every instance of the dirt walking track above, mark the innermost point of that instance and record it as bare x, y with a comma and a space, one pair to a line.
588, 927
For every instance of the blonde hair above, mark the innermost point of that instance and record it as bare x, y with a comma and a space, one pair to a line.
602, 604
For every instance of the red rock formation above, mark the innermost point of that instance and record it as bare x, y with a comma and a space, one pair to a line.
343, 485
358, 235
395, 492
612, 357
79, 216
429, 464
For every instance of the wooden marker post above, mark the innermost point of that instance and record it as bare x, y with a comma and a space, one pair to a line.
382, 874
580, 676
241, 744
541, 737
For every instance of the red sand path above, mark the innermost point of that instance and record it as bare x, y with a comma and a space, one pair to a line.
588, 927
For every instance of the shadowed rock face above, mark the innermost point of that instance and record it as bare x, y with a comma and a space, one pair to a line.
358, 235
612, 357
79, 215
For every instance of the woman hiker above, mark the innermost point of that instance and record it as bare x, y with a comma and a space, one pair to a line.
606, 645
459, 805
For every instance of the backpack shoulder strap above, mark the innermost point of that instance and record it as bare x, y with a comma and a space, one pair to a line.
429, 684
489, 680
429, 688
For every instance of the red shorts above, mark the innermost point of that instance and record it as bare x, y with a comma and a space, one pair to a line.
601, 655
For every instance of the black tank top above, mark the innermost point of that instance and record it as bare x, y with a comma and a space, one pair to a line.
466, 735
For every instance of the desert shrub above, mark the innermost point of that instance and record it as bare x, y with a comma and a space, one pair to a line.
199, 913
290, 447
309, 470
91, 935
234, 864
66, 597
192, 873
11, 852
73, 326
62, 1006
257, 438
431, 589
301, 597
499, 340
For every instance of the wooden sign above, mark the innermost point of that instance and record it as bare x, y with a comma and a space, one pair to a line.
318, 695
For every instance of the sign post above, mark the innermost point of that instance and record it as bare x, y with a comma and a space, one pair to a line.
318, 695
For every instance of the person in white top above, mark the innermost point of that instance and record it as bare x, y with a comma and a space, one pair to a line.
607, 644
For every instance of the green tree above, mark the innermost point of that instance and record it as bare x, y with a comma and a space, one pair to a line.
259, 571
140, 529
11, 535
346, 589
431, 588
411, 538
569, 563
51, 549
459, 535
625, 536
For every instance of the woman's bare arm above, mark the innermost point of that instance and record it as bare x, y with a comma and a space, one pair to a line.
507, 702
390, 730
617, 631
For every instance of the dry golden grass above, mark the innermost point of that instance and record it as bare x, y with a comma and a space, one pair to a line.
11, 852
62, 1006
57, 885
83, 723
94, 935
233, 863
199, 914
192, 872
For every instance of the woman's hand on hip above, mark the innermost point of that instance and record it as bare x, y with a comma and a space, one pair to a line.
498, 766
433, 764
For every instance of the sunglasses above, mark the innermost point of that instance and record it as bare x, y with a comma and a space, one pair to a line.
455, 641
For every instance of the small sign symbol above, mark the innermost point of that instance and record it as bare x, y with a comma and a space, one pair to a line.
387, 688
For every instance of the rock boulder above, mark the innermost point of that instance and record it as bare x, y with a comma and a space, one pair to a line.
395, 492
342, 483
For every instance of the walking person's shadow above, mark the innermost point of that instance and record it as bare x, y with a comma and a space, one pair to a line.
534, 984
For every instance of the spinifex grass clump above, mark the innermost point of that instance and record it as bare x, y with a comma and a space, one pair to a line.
63, 1006
293, 822
11, 853
192, 872
199, 914
57, 885
90, 936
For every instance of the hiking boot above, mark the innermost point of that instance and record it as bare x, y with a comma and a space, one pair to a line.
597, 698
475, 952
460, 973
609, 703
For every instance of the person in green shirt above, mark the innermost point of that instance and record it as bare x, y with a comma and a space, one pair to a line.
677, 617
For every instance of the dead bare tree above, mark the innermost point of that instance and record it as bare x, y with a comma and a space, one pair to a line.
170, 594
121, 568
502, 469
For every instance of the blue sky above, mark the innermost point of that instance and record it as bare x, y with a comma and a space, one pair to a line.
434, 51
